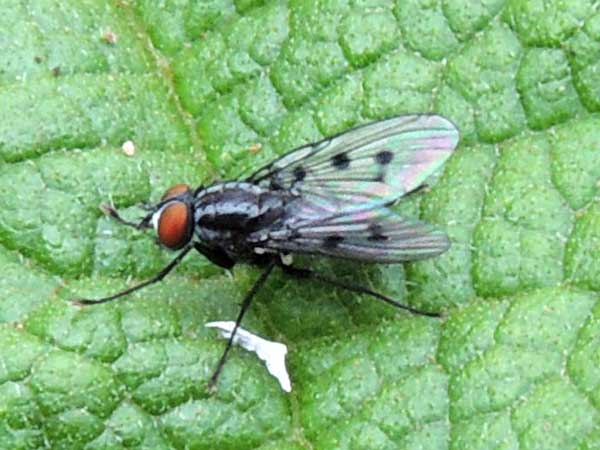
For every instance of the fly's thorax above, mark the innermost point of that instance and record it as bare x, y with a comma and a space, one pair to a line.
173, 221
237, 206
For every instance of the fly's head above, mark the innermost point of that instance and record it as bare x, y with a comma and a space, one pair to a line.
172, 217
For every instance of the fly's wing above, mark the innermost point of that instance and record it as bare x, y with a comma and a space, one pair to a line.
375, 163
373, 235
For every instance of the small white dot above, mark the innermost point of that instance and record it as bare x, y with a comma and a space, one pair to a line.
110, 37
128, 148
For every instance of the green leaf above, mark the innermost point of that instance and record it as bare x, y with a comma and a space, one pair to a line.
206, 89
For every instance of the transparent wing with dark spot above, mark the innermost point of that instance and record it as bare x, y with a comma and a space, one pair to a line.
374, 235
374, 163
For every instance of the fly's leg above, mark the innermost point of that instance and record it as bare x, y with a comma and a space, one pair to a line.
243, 308
215, 255
353, 287
156, 278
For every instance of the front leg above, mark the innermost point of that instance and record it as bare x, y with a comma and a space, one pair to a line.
155, 279
215, 256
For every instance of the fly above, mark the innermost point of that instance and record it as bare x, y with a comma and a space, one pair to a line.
329, 198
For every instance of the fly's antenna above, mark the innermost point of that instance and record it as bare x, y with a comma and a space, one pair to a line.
112, 212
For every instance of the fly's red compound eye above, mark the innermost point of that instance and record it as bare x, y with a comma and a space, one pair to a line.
176, 190
175, 225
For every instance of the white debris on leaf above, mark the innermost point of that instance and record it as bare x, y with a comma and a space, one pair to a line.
272, 353
110, 37
255, 148
128, 148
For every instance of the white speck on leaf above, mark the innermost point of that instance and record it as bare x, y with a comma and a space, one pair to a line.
128, 148
110, 37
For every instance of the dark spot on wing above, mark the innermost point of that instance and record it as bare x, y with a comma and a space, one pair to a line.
340, 161
299, 173
384, 157
380, 177
376, 233
331, 242
275, 184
